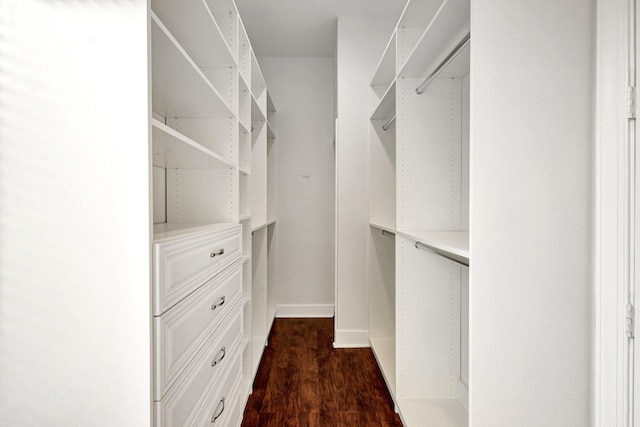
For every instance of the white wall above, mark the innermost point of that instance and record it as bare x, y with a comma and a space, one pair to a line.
74, 214
361, 42
531, 290
302, 90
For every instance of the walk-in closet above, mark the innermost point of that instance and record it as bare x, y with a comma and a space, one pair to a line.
246, 213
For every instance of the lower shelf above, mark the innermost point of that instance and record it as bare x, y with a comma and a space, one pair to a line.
433, 412
384, 350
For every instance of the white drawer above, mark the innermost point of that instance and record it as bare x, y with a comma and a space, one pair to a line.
220, 409
183, 264
181, 331
213, 356
187, 401
234, 414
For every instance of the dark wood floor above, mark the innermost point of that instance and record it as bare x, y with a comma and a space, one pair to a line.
303, 381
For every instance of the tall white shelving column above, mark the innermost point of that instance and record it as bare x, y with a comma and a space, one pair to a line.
419, 150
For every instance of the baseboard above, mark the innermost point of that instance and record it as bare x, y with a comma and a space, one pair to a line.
351, 339
317, 310
463, 394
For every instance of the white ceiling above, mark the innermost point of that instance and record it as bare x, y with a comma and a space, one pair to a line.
304, 27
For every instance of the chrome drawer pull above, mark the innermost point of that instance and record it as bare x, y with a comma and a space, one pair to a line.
218, 304
220, 252
223, 350
221, 408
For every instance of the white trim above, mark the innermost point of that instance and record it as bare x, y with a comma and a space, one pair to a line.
611, 194
463, 394
306, 311
351, 339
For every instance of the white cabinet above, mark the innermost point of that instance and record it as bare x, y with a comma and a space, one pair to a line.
213, 156
197, 340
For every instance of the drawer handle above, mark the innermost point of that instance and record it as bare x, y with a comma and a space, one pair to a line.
219, 303
215, 254
223, 350
219, 408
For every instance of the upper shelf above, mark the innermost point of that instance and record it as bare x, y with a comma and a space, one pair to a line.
173, 150
180, 89
448, 27
386, 70
418, 13
452, 244
192, 23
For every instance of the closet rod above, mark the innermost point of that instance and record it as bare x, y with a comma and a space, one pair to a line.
462, 261
388, 233
385, 127
444, 63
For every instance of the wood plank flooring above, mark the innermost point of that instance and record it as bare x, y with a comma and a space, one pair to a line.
303, 381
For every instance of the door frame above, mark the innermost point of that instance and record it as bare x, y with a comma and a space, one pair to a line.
614, 213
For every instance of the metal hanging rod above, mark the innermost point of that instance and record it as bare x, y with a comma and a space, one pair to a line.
392, 119
388, 233
444, 63
451, 257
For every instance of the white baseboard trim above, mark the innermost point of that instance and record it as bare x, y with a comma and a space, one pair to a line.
351, 339
316, 310
463, 394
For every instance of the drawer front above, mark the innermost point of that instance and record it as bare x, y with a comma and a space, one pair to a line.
236, 411
187, 401
220, 406
181, 266
180, 332
213, 356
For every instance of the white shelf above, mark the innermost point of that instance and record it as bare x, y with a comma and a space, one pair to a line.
165, 231
384, 350
245, 217
245, 258
193, 24
245, 171
258, 227
270, 132
271, 222
386, 70
452, 243
418, 13
180, 89
256, 111
258, 84
173, 150
387, 106
386, 227
433, 412
449, 25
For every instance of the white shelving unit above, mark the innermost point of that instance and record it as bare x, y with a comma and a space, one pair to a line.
213, 150
419, 215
